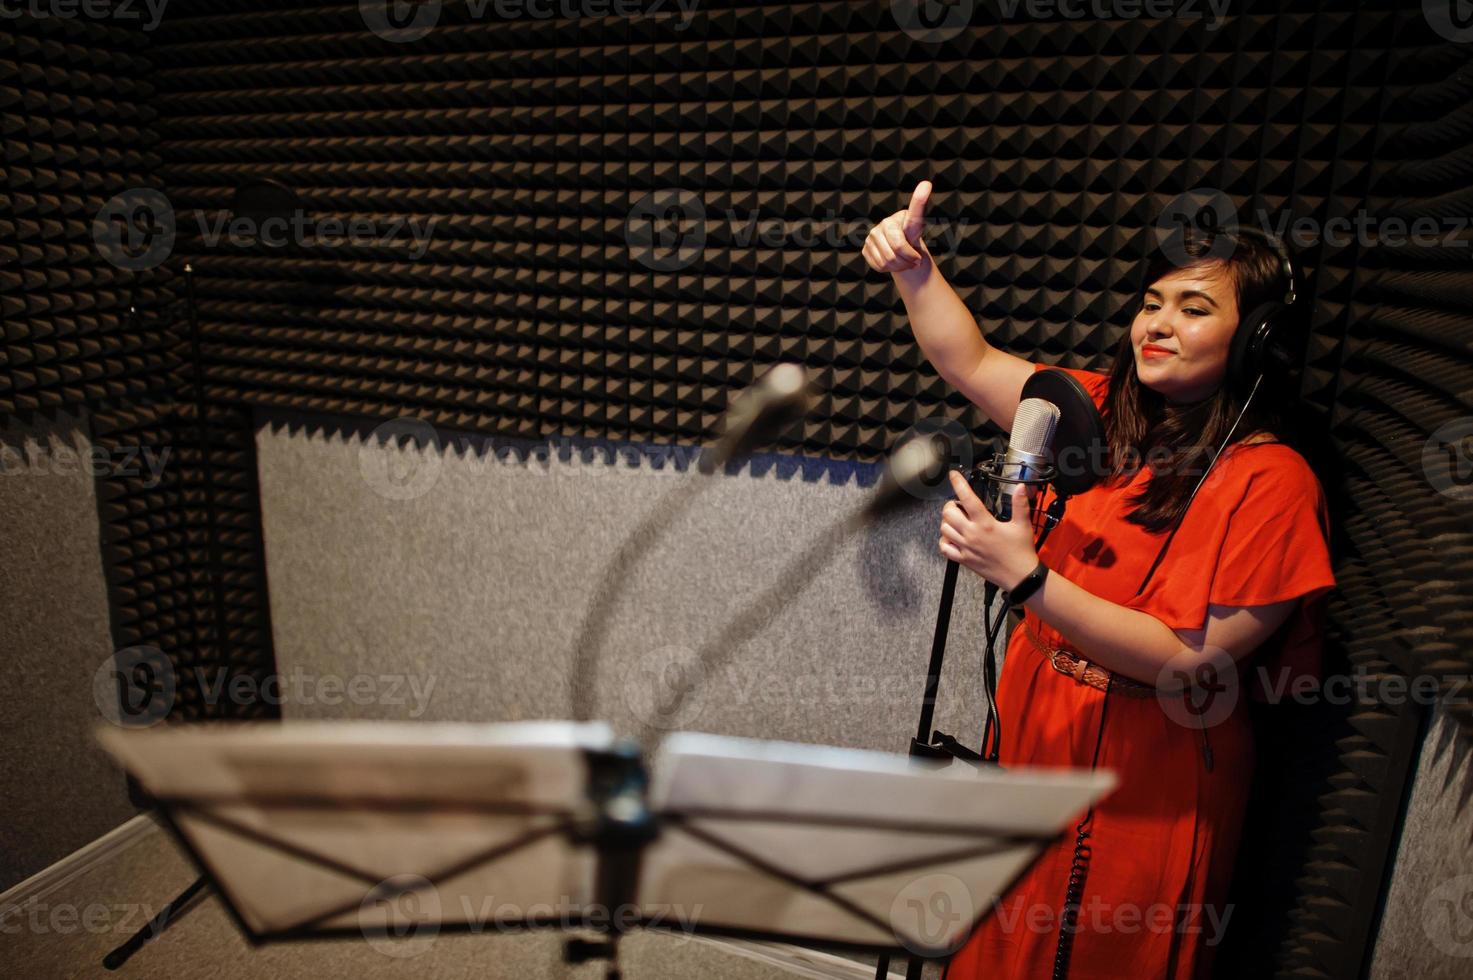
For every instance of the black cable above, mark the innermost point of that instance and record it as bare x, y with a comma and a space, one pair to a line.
992, 631
992, 730
1079, 866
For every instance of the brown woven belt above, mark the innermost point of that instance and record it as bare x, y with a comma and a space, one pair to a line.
1085, 672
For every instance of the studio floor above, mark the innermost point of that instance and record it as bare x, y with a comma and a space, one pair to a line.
95, 899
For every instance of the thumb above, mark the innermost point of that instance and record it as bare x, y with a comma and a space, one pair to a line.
1022, 506
915, 212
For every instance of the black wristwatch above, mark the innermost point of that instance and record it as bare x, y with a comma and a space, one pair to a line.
1030, 584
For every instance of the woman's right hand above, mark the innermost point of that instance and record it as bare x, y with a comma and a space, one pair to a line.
894, 245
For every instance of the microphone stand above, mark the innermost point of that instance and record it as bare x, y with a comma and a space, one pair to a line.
938, 746
934, 746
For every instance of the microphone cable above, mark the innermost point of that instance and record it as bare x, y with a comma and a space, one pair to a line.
1079, 866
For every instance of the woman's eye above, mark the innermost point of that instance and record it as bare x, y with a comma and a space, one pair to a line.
1196, 312
1152, 307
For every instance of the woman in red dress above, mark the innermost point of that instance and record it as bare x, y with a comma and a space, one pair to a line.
1095, 674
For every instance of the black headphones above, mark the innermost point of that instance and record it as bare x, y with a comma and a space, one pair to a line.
1261, 342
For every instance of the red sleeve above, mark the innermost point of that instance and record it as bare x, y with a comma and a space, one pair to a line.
1276, 544
1277, 548
1257, 533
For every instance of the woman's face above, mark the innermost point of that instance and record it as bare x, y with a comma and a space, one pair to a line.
1182, 334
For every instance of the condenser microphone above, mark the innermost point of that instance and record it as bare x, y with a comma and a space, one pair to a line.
1026, 458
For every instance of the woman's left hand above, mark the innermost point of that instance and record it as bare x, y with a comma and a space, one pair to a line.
1002, 552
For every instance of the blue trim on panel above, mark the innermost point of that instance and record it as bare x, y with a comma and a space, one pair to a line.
626, 454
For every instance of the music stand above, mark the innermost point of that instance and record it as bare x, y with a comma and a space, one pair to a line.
387, 831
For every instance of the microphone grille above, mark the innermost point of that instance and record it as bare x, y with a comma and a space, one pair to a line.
1033, 426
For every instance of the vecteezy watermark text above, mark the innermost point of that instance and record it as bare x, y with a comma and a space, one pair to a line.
1099, 917
405, 21
138, 687
65, 918
410, 907
937, 21
137, 229
1209, 211
1213, 12
59, 459
125, 11
669, 229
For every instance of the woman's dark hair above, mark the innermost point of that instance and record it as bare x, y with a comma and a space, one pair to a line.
1178, 440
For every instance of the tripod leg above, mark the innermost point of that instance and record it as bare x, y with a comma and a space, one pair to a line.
882, 967
156, 925
914, 967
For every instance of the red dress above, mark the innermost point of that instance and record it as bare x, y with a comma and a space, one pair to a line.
1164, 843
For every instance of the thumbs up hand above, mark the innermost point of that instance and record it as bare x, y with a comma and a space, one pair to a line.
894, 245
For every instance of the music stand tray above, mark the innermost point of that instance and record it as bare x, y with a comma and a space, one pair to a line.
383, 830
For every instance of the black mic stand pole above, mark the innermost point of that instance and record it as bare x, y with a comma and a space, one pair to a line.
938, 746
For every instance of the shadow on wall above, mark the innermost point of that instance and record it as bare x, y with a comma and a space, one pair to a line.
60, 791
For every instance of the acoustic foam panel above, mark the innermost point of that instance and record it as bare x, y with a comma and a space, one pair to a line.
1060, 142
84, 331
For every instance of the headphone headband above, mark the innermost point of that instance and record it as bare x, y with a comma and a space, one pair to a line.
1291, 293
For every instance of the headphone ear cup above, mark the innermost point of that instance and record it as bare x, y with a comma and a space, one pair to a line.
1247, 355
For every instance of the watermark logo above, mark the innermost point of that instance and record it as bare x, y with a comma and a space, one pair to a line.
930, 909
1199, 212
1214, 12
1204, 212
1447, 459
401, 474
138, 229
400, 909
951, 445
135, 687
400, 21
660, 689
1452, 19
135, 230
1447, 917
574, 9
666, 229
1198, 688
932, 21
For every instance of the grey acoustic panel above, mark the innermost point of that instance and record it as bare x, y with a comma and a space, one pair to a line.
60, 791
471, 575
1059, 140
1424, 931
